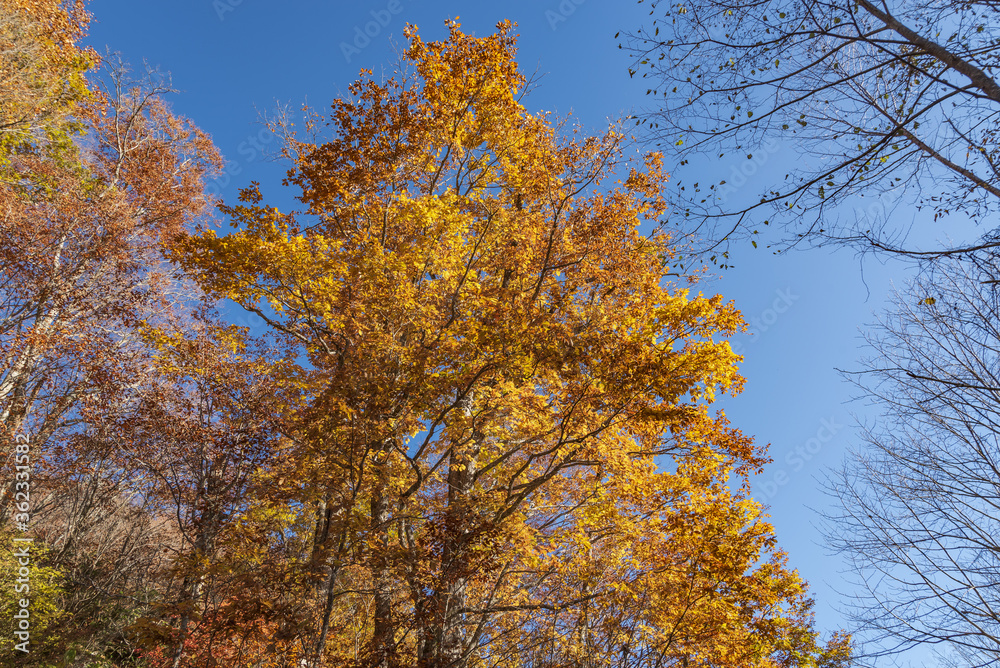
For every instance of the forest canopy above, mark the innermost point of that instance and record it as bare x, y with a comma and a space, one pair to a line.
476, 430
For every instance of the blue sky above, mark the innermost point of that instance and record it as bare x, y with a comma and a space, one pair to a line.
233, 58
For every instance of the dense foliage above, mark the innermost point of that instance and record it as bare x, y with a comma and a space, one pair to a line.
477, 432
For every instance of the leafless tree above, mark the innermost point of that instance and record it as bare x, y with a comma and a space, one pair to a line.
891, 100
919, 502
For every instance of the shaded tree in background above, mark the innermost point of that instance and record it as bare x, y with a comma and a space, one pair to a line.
201, 429
892, 101
96, 176
919, 504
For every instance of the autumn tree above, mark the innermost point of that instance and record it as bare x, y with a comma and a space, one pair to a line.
42, 69
503, 431
916, 511
198, 432
83, 236
895, 102
96, 176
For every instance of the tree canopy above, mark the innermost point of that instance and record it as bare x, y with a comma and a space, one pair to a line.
502, 435
478, 431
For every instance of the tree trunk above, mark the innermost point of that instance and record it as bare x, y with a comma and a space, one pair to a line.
383, 638
452, 596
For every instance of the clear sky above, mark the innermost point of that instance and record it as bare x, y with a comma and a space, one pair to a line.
231, 58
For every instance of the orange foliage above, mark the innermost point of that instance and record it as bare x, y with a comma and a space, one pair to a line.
502, 451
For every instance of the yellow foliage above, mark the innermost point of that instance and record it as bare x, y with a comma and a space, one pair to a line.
508, 443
